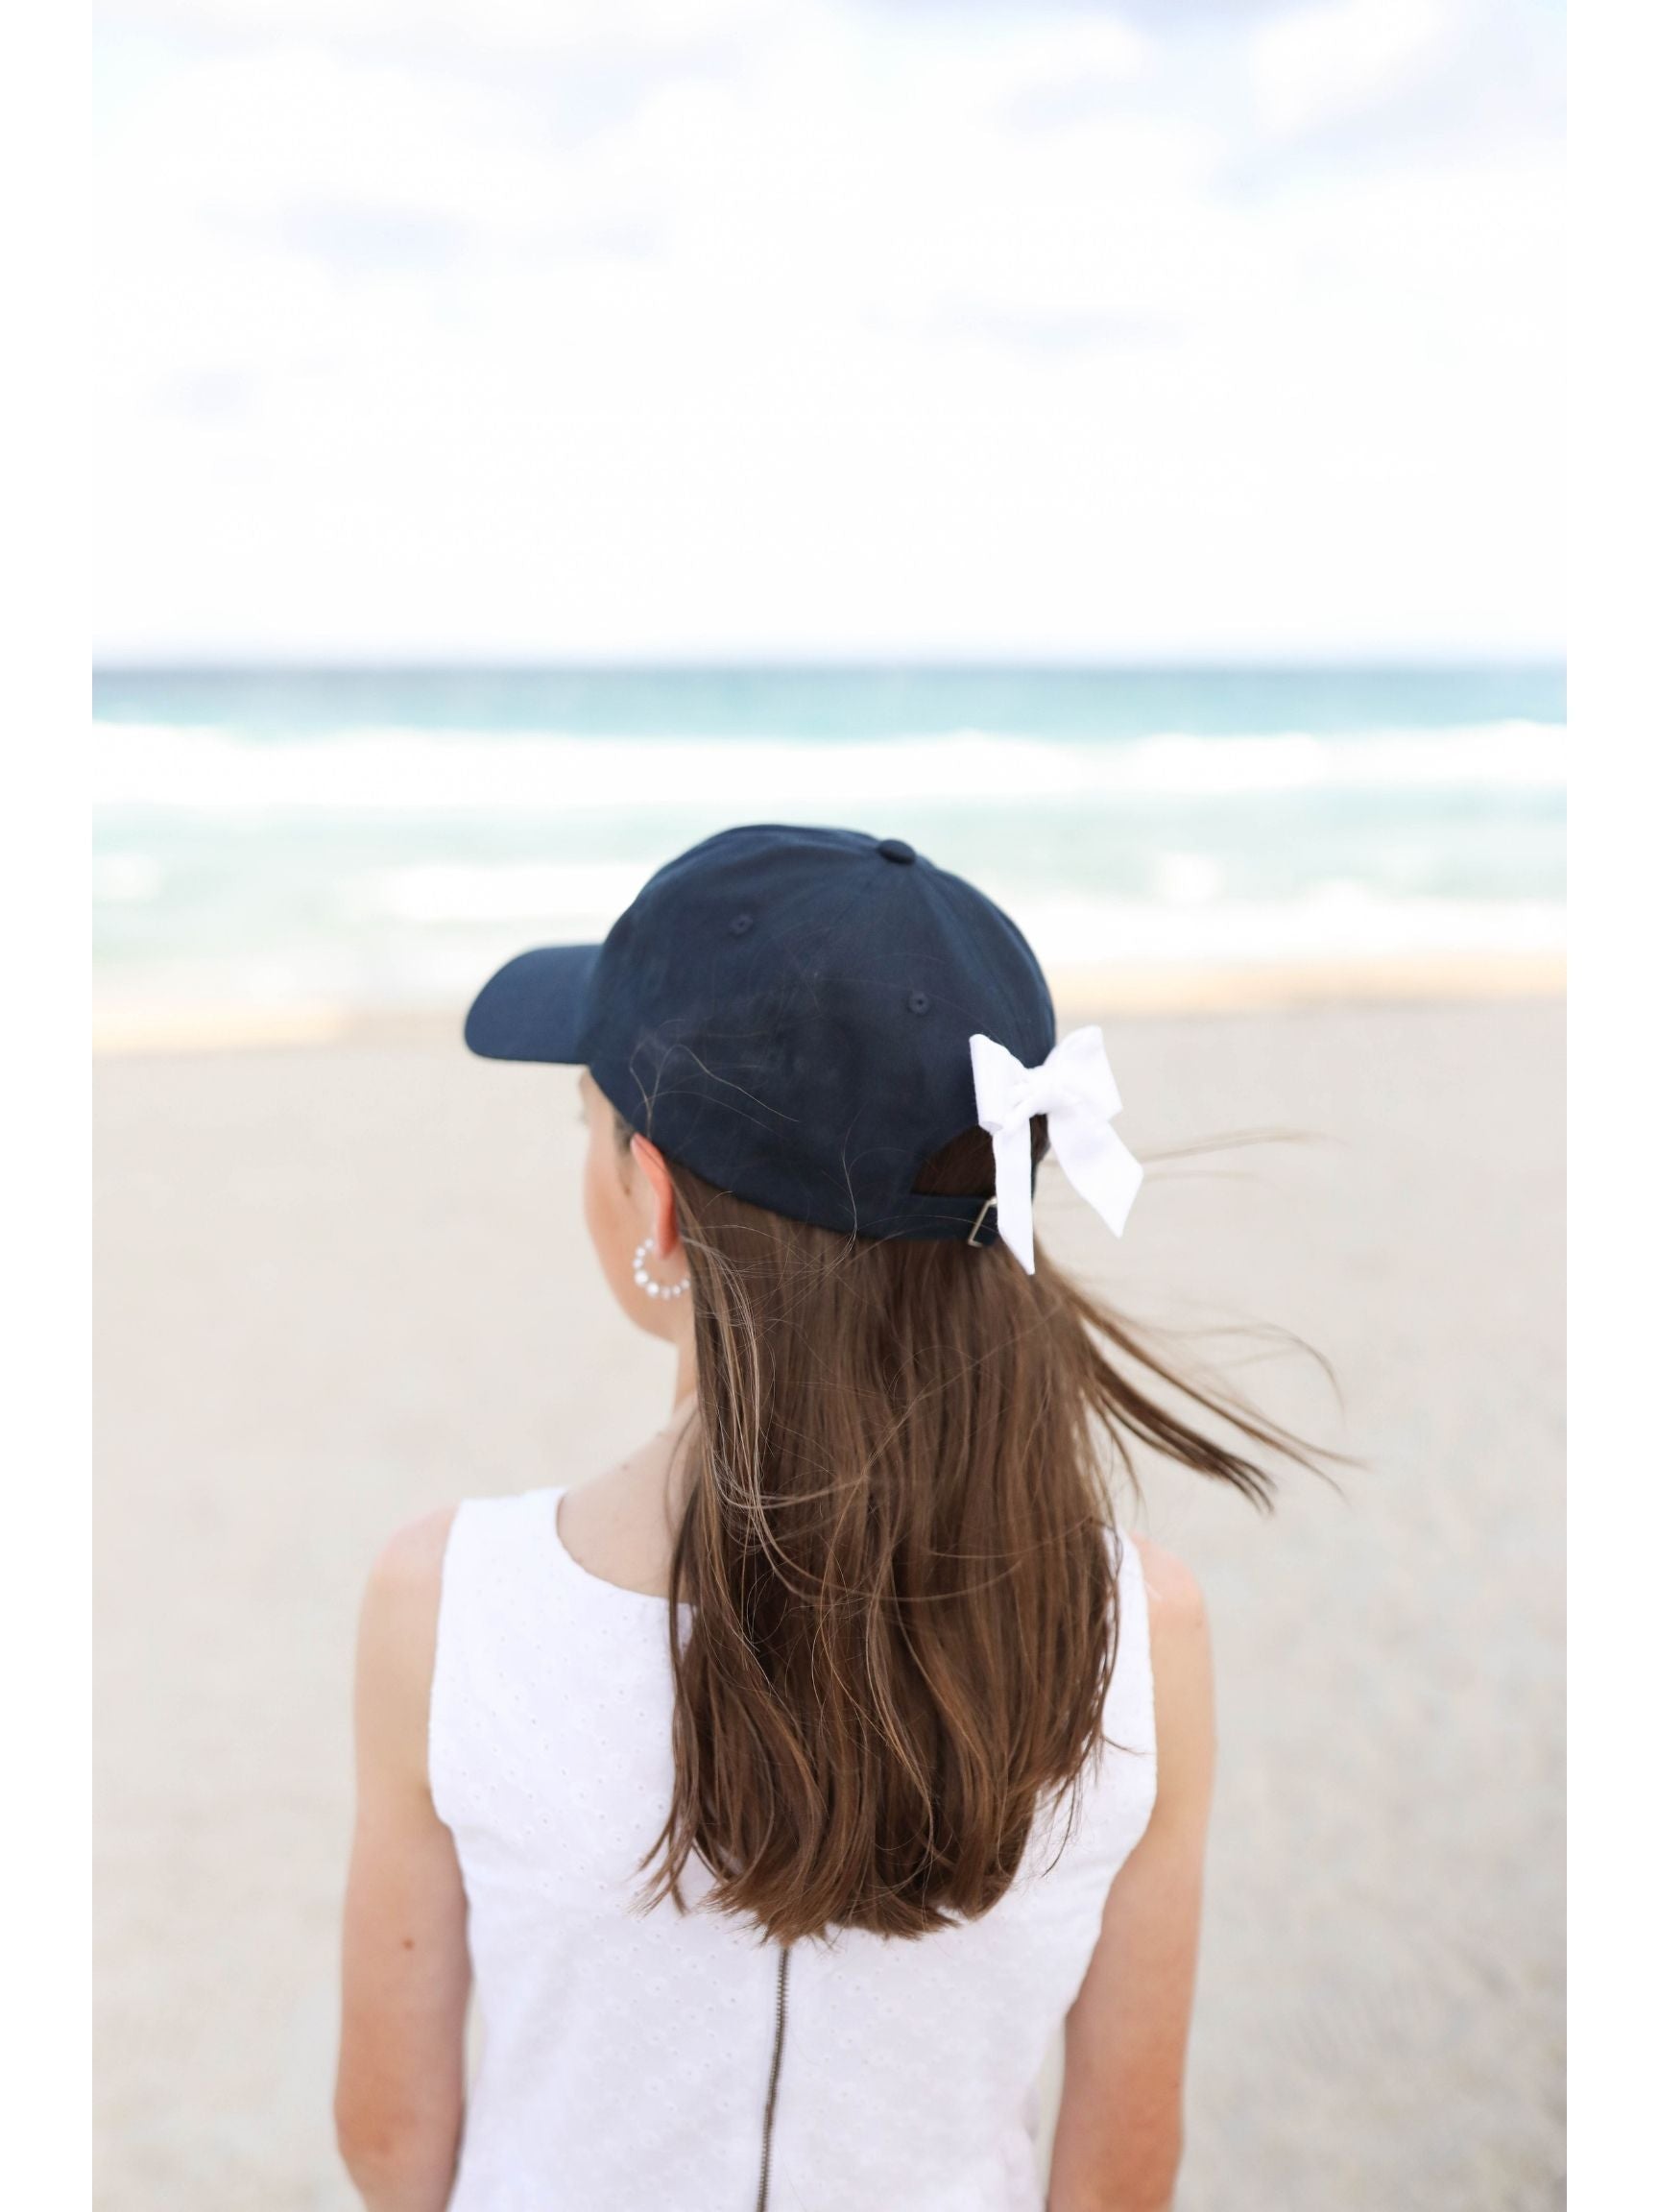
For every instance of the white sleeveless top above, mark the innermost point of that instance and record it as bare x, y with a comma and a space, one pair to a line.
626, 2056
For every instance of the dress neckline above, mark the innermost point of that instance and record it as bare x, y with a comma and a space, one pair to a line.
573, 1570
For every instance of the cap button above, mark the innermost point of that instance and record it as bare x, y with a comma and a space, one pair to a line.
894, 848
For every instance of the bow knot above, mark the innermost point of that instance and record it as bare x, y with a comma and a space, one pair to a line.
1074, 1087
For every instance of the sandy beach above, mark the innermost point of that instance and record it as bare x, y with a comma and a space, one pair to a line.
341, 1278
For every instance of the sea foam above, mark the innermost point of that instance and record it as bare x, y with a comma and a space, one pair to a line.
139, 765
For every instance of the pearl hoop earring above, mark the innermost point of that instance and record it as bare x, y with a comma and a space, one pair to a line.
654, 1289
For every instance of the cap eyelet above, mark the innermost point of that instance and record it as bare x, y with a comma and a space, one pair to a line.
918, 1002
740, 924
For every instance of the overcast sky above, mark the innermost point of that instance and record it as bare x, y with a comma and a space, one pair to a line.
596, 328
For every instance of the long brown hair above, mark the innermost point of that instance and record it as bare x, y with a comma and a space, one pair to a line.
904, 1616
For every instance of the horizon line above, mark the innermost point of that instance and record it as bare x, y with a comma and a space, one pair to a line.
1338, 663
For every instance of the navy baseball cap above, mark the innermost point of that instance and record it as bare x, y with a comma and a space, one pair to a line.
787, 1012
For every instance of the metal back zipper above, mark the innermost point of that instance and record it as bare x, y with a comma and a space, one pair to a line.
772, 2079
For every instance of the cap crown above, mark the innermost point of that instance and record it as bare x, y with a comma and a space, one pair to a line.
786, 1012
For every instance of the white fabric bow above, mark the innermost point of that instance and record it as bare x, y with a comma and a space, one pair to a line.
1073, 1088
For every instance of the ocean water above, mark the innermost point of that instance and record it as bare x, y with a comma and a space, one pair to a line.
263, 838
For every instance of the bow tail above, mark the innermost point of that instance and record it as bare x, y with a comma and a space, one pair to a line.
1098, 1166
1011, 1148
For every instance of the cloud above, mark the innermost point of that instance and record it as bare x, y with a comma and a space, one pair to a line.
714, 327
364, 238
1455, 79
207, 396
1056, 329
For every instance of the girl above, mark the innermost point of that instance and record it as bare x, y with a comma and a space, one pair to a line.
786, 1788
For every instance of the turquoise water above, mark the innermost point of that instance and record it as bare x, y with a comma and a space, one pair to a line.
833, 702
263, 836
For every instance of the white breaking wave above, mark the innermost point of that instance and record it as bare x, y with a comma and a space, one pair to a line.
404, 771
580, 896
1335, 921
387, 864
1187, 920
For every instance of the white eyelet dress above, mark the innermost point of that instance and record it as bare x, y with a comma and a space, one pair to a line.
626, 2056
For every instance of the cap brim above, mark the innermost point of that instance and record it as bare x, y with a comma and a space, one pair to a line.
532, 1009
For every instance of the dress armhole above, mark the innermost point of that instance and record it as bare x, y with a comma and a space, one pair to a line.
445, 1658
1131, 1716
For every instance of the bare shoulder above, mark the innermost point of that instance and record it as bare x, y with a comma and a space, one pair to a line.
1174, 1598
410, 1565
1183, 1688
397, 1641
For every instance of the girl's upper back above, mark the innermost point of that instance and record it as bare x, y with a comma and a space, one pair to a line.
628, 2056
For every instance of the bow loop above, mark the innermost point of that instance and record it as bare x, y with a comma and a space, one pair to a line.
1074, 1089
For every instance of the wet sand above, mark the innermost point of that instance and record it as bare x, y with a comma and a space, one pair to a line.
342, 1281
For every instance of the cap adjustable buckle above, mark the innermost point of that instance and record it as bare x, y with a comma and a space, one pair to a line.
979, 1223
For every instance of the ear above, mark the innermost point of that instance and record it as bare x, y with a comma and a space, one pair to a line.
664, 1215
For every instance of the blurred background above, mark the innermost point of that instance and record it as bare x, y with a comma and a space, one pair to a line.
1113, 446
531, 437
